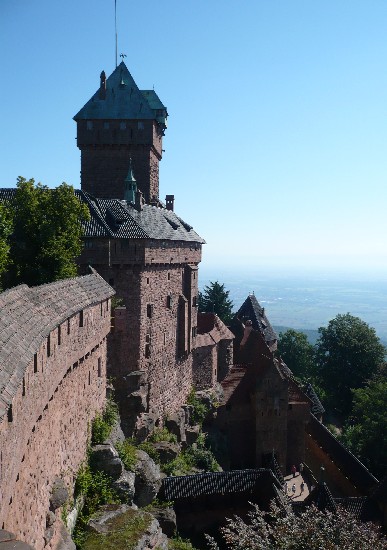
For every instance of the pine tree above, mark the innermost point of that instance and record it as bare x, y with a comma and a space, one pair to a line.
215, 299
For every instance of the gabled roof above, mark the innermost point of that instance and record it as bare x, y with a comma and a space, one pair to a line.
114, 218
123, 100
252, 310
211, 330
28, 315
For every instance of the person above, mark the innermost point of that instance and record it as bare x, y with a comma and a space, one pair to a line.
302, 486
294, 489
301, 468
286, 487
293, 470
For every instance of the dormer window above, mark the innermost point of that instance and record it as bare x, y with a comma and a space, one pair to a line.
89, 124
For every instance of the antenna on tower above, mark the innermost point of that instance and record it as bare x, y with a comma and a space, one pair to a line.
115, 25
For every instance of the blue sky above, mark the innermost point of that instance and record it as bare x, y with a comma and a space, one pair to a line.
276, 145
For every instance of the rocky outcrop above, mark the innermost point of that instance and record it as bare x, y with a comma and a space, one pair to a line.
167, 519
147, 481
125, 486
175, 424
106, 459
59, 494
167, 451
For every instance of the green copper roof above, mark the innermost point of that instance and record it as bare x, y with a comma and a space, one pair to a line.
122, 100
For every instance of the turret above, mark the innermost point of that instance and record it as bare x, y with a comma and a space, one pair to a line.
120, 129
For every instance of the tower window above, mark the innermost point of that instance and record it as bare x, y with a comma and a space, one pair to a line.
89, 125
122, 125
140, 125
149, 310
81, 318
106, 126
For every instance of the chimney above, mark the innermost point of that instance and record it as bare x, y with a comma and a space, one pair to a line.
102, 87
170, 202
139, 201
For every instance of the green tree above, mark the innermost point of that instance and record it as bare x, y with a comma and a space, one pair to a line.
311, 529
298, 354
5, 232
215, 298
365, 434
348, 353
47, 233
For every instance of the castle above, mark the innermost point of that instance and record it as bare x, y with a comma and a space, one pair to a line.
54, 357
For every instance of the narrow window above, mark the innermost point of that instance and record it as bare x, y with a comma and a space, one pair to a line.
148, 346
59, 335
106, 126
169, 276
149, 310
140, 125
81, 318
194, 301
89, 124
10, 414
49, 345
36, 362
68, 326
147, 280
101, 310
24, 386
122, 125
89, 378
169, 301
99, 367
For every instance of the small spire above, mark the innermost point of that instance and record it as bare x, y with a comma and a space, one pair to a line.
130, 185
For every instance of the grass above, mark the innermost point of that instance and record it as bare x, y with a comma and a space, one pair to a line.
102, 424
178, 543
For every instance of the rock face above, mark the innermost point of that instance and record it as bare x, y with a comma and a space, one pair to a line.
153, 538
167, 451
148, 479
125, 486
175, 423
166, 518
59, 494
105, 458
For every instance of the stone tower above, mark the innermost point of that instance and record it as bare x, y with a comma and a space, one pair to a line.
118, 126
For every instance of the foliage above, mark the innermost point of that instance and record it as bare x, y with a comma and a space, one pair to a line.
198, 409
365, 434
298, 354
102, 424
215, 298
6, 225
195, 457
162, 434
47, 232
97, 491
127, 453
312, 529
177, 543
148, 448
348, 353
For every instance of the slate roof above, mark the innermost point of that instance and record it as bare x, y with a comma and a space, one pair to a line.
211, 483
252, 310
123, 100
28, 315
114, 218
317, 407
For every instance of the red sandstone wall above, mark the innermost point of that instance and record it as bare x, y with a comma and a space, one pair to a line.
205, 361
52, 412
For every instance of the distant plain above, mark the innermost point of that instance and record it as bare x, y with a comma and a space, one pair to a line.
310, 300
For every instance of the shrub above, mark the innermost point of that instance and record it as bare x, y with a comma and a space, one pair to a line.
102, 424
127, 453
199, 410
162, 434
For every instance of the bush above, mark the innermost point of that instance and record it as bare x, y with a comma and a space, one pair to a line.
127, 453
162, 434
178, 543
199, 410
102, 424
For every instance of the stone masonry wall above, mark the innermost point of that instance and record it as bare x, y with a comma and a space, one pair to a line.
46, 432
205, 366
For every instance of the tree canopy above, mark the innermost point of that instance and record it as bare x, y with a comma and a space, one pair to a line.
46, 233
215, 299
348, 353
5, 232
365, 433
298, 354
312, 529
